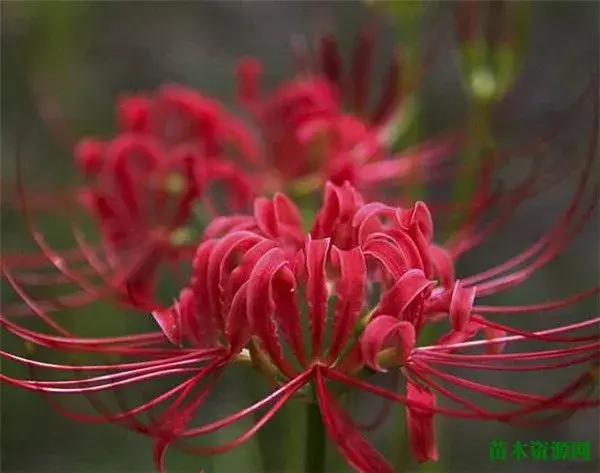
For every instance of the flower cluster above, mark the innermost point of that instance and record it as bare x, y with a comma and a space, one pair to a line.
180, 158
146, 180
313, 304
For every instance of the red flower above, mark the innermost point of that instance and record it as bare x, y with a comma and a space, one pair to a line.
309, 137
175, 146
258, 283
142, 188
148, 179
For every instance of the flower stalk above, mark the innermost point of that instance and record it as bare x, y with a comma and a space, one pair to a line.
492, 50
409, 16
315, 439
479, 147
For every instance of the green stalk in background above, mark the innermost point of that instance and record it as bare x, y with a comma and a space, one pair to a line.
56, 40
288, 427
408, 16
268, 458
479, 145
294, 421
411, 54
315, 439
490, 60
56, 44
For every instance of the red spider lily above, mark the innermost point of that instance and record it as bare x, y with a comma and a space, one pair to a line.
363, 284
144, 185
148, 178
172, 146
309, 137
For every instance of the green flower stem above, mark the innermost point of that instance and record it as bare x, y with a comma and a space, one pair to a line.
480, 142
489, 70
416, 189
263, 440
56, 29
293, 423
408, 16
315, 439
287, 426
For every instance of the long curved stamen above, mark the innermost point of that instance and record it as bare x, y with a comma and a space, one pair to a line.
512, 338
548, 254
290, 387
534, 335
557, 235
534, 308
524, 190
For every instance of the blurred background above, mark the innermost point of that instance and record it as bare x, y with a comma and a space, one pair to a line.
82, 55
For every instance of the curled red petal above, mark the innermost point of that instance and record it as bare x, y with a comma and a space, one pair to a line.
241, 274
278, 217
379, 331
350, 290
443, 265
316, 290
221, 225
191, 325
418, 217
459, 336
89, 154
169, 320
389, 256
340, 204
237, 324
264, 215
289, 316
418, 222
261, 305
363, 219
209, 323
410, 285
287, 214
461, 304
407, 245
220, 262
133, 113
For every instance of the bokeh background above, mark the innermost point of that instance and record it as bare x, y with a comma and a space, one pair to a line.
81, 55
